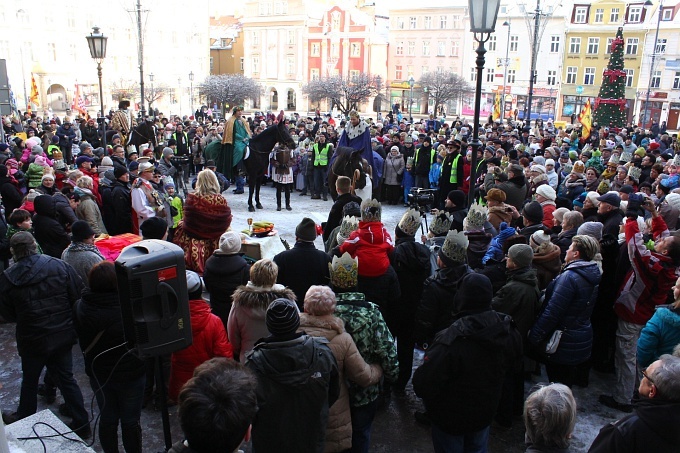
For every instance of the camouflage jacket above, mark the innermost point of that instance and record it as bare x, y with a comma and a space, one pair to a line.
364, 322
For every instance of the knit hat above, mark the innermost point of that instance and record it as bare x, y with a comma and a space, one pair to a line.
168, 151
476, 218
539, 160
344, 271
32, 195
454, 249
592, 229
351, 209
119, 171
153, 228
106, 162
81, 230
521, 254
457, 197
194, 283
84, 146
673, 199
410, 222
473, 295
546, 191
641, 151
593, 197
558, 214
41, 160
23, 241
46, 176
539, 238
36, 150
306, 230
496, 195
604, 186
134, 165
538, 168
578, 201
370, 211
349, 224
230, 243
533, 211
549, 162
441, 222
283, 317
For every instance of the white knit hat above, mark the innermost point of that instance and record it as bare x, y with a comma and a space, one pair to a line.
547, 192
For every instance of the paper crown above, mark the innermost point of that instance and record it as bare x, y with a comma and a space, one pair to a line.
455, 246
625, 157
603, 187
476, 217
344, 271
410, 222
613, 160
370, 211
409, 161
348, 225
441, 222
635, 173
676, 160
579, 167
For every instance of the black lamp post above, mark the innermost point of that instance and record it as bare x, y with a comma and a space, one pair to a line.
97, 43
483, 14
191, 91
411, 82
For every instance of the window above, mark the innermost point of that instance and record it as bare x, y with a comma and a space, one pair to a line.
265, 8
281, 8
581, 15
572, 72
492, 43
355, 50
426, 48
256, 64
599, 15
335, 50
455, 48
552, 77
660, 46
676, 81
614, 15
593, 45
290, 65
554, 44
398, 72
412, 22
456, 21
514, 43
427, 22
409, 70
589, 76
608, 49
400, 23
629, 77
424, 70
656, 79
314, 73
400, 48
473, 74
490, 73
291, 37
335, 21
223, 42
511, 76
442, 22
256, 38
52, 51
241, 63
316, 49
632, 46
441, 48
634, 14
353, 74
411, 48
574, 45
212, 64
667, 14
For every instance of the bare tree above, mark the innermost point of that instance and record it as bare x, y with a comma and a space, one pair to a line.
444, 86
229, 89
124, 89
153, 93
345, 92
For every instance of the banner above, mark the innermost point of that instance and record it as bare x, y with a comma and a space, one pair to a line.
586, 120
78, 102
34, 98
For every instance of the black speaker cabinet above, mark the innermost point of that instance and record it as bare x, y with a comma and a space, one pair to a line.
153, 295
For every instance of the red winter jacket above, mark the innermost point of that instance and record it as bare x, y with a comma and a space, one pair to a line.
651, 278
210, 340
372, 244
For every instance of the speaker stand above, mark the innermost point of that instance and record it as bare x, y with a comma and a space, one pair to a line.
163, 397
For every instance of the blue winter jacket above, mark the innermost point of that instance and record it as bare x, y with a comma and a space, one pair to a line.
659, 336
570, 298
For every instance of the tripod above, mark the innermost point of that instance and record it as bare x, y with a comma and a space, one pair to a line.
180, 184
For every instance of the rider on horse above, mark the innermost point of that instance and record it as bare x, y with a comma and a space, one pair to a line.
236, 136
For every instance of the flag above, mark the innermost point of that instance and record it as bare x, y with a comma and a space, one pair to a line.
497, 107
78, 102
34, 98
586, 120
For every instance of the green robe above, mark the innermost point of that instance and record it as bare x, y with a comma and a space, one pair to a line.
227, 156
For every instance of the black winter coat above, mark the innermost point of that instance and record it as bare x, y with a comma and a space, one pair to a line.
411, 262
11, 196
335, 215
563, 241
91, 135
301, 267
462, 376
222, 275
383, 291
38, 293
65, 214
49, 233
611, 222
516, 191
122, 208
100, 312
519, 298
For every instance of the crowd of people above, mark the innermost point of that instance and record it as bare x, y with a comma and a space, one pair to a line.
567, 259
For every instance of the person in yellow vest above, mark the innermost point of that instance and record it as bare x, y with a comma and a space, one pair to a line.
321, 151
54, 146
452, 176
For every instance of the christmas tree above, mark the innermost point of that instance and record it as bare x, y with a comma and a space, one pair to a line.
610, 104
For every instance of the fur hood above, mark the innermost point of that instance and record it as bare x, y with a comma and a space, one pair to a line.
254, 297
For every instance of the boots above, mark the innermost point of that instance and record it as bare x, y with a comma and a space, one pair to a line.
288, 208
278, 198
132, 438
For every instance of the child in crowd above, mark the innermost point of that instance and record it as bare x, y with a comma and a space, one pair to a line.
20, 220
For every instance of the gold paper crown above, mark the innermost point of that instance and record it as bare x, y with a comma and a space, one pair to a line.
370, 211
579, 167
410, 222
455, 246
441, 222
344, 271
635, 173
476, 217
349, 224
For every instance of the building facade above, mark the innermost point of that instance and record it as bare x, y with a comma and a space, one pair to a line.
226, 46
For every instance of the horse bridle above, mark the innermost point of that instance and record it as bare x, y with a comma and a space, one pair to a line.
278, 136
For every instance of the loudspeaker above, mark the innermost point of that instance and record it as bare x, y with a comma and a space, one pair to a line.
154, 301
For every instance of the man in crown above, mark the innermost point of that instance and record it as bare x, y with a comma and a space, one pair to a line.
123, 121
357, 135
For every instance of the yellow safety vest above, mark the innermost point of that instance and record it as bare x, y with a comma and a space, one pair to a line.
453, 178
320, 156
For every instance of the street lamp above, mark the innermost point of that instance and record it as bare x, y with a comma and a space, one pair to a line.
153, 93
483, 15
411, 82
506, 63
191, 91
97, 43
648, 3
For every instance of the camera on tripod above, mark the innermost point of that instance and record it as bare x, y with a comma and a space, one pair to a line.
179, 161
421, 199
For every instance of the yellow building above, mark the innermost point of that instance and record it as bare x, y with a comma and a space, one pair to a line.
590, 30
226, 46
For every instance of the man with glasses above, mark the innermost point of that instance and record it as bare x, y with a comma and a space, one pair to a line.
653, 426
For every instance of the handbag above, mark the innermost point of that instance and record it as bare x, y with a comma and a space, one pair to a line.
554, 342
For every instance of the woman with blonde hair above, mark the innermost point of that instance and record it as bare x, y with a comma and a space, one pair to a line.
87, 209
318, 320
206, 216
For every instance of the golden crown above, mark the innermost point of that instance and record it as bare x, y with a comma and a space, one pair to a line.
455, 246
344, 271
410, 222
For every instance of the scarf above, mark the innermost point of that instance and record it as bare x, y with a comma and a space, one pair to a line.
206, 216
83, 247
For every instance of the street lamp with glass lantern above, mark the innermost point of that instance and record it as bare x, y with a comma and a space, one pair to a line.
97, 44
483, 15
411, 82
506, 63
191, 91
